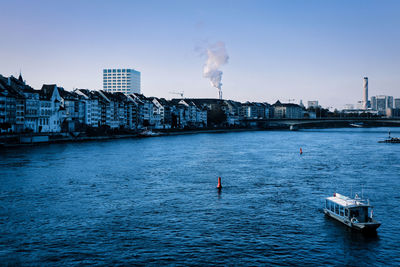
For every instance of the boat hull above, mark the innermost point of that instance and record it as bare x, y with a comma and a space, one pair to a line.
390, 141
363, 227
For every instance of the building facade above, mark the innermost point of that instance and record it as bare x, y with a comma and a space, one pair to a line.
126, 81
287, 111
381, 103
397, 103
312, 104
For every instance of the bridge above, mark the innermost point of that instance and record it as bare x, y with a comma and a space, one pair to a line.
322, 122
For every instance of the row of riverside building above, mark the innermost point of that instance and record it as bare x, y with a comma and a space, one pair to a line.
54, 109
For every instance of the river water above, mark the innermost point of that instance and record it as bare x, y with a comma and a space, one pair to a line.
154, 200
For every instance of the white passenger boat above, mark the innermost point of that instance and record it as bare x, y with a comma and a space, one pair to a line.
147, 133
356, 213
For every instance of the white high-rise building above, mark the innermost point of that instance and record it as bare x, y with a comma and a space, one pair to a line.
126, 81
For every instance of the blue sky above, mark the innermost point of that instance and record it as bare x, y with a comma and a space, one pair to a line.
309, 50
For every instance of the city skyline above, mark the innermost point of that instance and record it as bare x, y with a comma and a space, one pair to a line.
277, 50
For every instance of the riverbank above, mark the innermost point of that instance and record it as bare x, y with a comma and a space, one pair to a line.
20, 140
50, 138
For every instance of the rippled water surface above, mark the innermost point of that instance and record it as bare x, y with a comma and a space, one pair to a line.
154, 200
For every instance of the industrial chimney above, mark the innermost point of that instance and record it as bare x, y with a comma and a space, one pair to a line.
365, 102
220, 93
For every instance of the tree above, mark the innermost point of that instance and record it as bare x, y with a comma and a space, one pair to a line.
216, 115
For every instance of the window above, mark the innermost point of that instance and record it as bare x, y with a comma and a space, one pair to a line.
346, 212
341, 211
118, 70
336, 208
114, 71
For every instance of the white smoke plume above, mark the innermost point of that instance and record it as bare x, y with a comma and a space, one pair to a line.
216, 57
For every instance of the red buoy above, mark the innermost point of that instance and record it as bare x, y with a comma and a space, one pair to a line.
219, 186
301, 151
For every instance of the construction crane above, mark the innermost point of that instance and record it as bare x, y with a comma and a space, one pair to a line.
178, 93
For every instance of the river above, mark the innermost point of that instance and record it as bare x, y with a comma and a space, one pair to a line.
154, 200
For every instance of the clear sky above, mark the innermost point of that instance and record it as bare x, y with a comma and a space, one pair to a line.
309, 50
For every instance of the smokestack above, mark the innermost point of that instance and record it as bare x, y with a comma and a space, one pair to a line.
365, 102
216, 57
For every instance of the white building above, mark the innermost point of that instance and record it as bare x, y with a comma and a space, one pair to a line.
92, 107
158, 113
126, 81
312, 104
381, 103
397, 103
145, 110
348, 106
287, 111
52, 114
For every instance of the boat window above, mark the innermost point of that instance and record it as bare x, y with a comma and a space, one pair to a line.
341, 211
336, 208
332, 207
346, 212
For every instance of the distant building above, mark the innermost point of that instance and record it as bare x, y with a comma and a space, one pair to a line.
373, 102
92, 107
393, 112
348, 106
389, 101
312, 104
125, 81
381, 103
397, 103
52, 114
287, 110
360, 104
301, 104
249, 111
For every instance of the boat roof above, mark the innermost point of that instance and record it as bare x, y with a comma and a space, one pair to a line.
348, 202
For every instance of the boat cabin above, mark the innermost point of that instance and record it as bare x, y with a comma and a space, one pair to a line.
355, 210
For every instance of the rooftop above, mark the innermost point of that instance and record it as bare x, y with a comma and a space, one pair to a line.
346, 201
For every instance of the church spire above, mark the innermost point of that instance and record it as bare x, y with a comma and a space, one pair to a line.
20, 77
